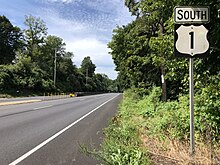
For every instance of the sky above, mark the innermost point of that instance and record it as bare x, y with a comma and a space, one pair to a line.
84, 25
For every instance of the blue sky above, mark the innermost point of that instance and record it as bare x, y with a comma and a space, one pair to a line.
84, 25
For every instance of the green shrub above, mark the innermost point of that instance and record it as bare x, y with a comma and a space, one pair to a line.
135, 93
207, 110
6, 77
121, 145
172, 118
142, 113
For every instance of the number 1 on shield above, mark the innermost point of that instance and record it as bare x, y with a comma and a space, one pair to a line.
191, 40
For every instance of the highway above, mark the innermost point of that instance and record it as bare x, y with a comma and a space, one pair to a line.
50, 132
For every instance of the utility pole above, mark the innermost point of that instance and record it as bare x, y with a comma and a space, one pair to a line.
55, 67
86, 76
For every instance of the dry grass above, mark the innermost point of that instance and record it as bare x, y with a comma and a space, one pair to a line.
176, 153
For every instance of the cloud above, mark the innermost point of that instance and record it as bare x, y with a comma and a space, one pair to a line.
90, 47
98, 52
59, 25
63, 1
84, 25
109, 71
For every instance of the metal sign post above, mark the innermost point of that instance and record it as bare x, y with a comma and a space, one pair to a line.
191, 93
191, 41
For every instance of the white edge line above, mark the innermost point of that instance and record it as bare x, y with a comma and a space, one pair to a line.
43, 107
56, 135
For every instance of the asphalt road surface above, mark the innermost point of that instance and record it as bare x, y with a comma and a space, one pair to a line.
50, 132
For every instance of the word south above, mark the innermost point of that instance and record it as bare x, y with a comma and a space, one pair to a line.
192, 15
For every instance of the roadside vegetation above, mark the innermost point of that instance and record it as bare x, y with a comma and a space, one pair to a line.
147, 130
34, 62
152, 125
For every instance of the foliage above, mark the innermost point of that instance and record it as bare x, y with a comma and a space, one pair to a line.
87, 67
171, 119
54, 46
129, 47
35, 34
9, 40
136, 93
143, 50
34, 55
121, 145
143, 114
6, 77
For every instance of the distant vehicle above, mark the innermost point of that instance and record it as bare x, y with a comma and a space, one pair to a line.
73, 94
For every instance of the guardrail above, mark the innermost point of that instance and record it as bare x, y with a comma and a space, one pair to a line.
52, 96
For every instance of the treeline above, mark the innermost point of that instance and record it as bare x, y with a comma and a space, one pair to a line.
31, 60
143, 49
157, 82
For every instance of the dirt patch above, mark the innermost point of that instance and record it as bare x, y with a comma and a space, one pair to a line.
169, 152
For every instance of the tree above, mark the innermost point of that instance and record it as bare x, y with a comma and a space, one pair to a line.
87, 67
132, 55
102, 82
52, 45
35, 35
9, 40
39, 57
6, 77
120, 51
133, 7
67, 73
159, 12
143, 50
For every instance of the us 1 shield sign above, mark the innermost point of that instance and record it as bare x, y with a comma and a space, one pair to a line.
191, 41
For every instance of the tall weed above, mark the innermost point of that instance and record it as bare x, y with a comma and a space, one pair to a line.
162, 127
121, 145
169, 122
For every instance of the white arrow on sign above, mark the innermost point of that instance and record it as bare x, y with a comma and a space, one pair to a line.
192, 40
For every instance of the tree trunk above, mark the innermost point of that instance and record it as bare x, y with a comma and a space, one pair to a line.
162, 67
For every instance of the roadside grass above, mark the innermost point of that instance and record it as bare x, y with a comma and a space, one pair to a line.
121, 144
177, 152
148, 131
164, 129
